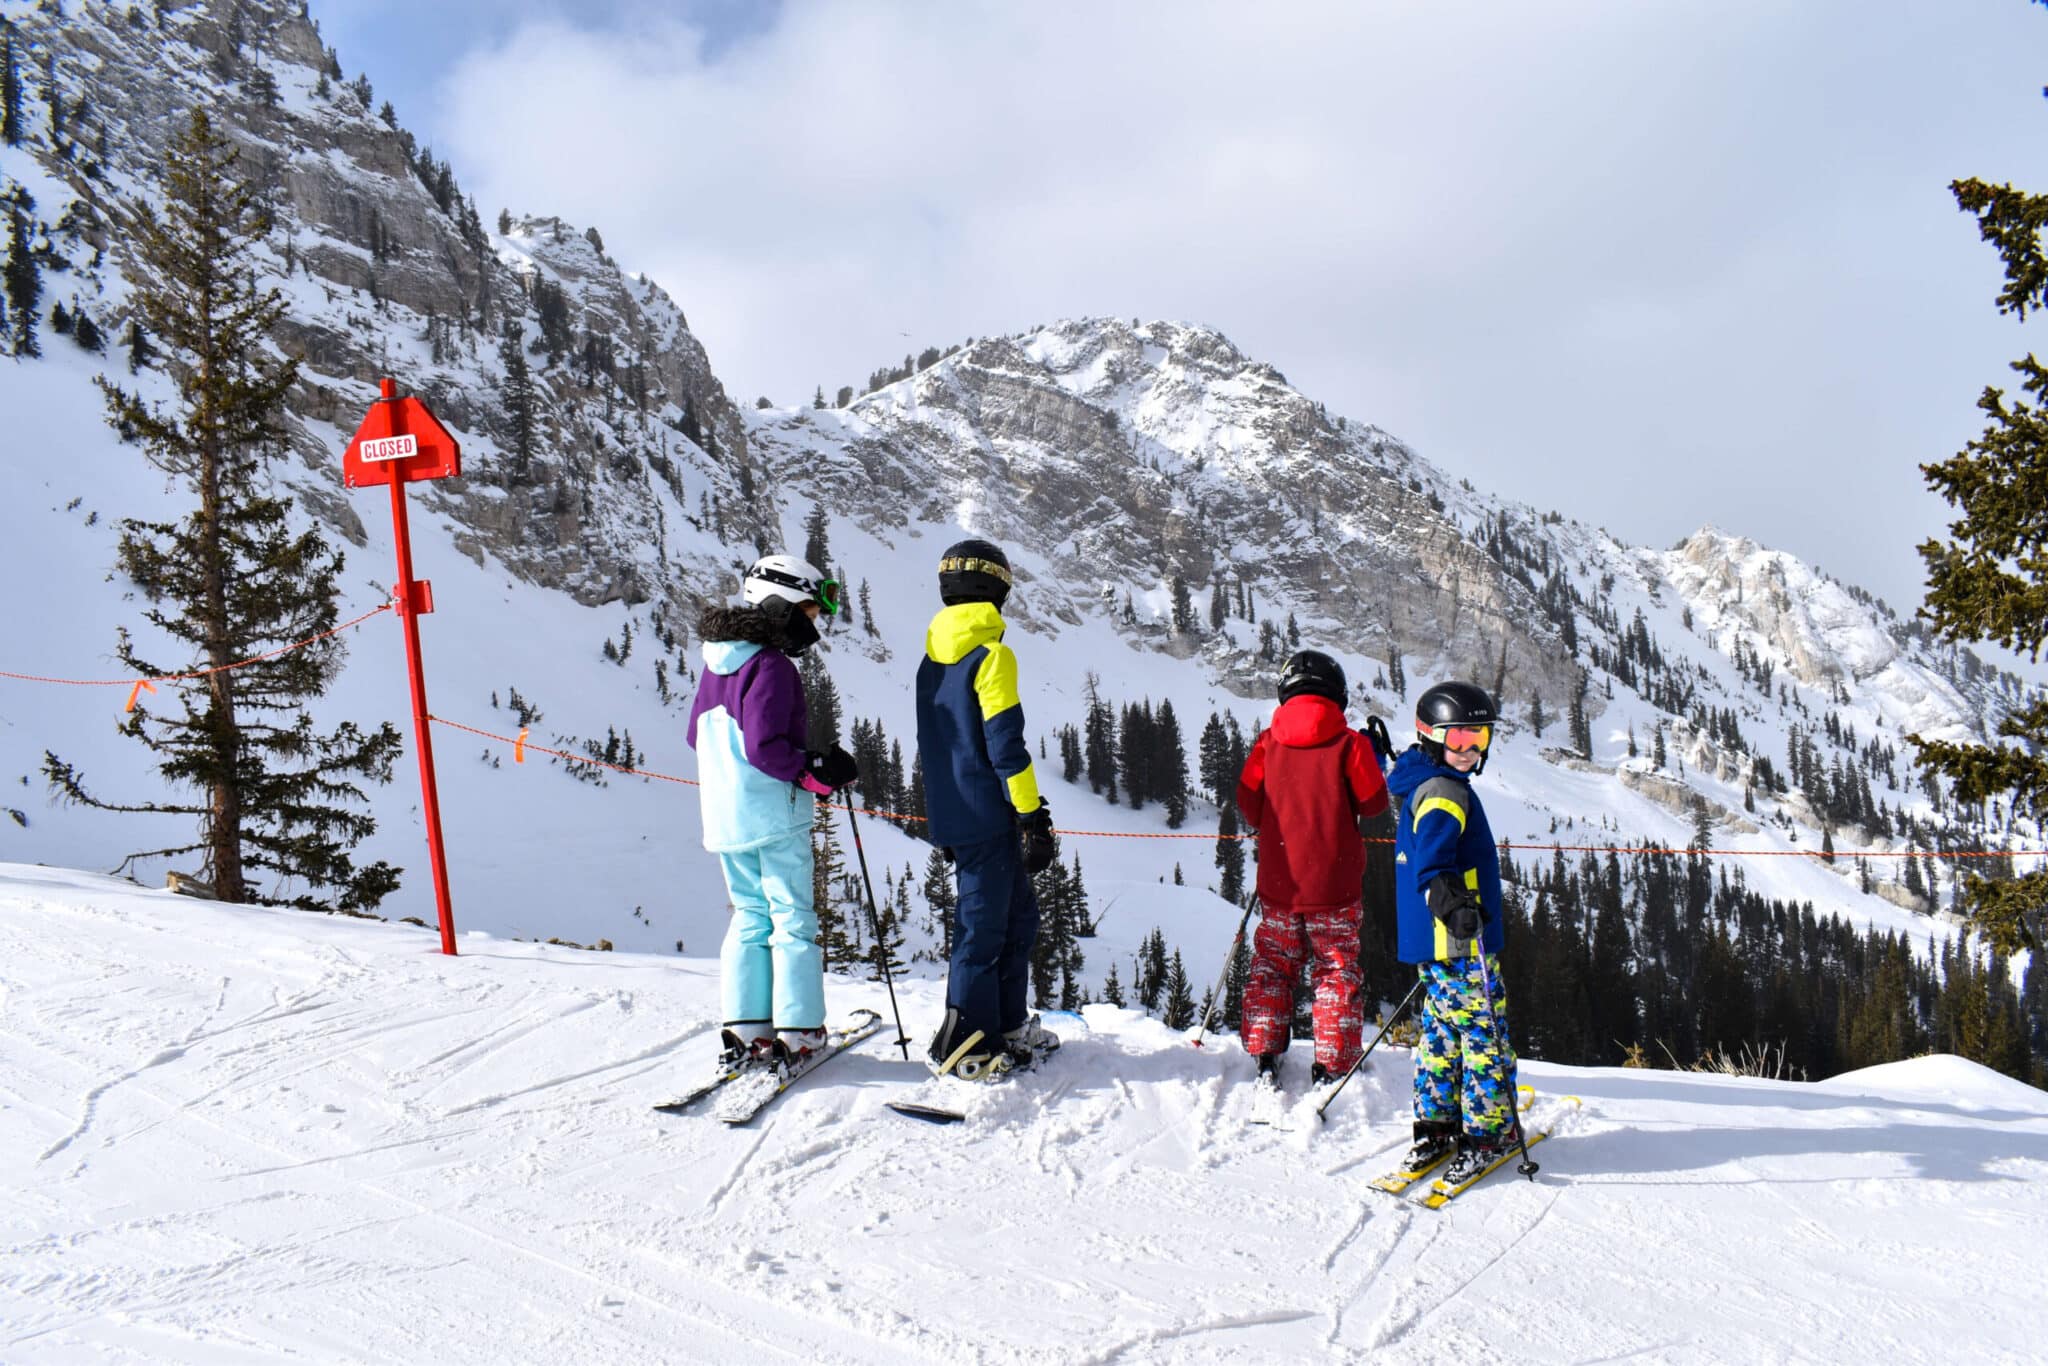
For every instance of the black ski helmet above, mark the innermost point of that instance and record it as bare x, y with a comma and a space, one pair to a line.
1313, 672
1453, 704
974, 570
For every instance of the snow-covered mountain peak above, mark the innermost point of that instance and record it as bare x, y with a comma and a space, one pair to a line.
1821, 632
1120, 457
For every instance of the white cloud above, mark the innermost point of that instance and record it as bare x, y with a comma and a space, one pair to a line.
1653, 264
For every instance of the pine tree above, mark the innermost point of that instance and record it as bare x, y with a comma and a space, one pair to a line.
1217, 607
1212, 762
520, 400
1183, 607
1071, 762
10, 88
1100, 744
1235, 977
1049, 950
836, 942
1989, 582
1135, 754
938, 895
1151, 974
1179, 1011
818, 536
1581, 727
230, 580
1170, 766
1229, 856
86, 332
22, 272
1537, 720
1397, 678
821, 702
885, 959
1113, 989
1702, 824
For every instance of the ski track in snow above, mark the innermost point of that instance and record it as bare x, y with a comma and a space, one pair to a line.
244, 1135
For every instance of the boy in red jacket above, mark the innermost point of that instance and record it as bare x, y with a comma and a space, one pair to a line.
1307, 782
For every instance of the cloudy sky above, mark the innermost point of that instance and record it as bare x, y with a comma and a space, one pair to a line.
1652, 265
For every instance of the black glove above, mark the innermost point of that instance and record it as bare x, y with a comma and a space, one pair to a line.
1382, 743
1041, 846
1457, 906
834, 768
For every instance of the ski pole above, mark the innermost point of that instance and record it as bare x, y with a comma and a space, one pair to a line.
1500, 1035
1216, 996
875, 924
1384, 1029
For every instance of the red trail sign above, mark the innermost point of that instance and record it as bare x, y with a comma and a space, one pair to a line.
401, 443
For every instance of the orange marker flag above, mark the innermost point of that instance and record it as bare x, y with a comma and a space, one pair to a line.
519, 746
142, 685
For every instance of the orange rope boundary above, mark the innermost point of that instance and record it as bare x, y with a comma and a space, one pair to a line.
528, 745
138, 685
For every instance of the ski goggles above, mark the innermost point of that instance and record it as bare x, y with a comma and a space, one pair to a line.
825, 592
974, 564
1458, 739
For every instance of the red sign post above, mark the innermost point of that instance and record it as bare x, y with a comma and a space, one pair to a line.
401, 443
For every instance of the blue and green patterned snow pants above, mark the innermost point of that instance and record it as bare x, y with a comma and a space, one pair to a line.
1464, 1064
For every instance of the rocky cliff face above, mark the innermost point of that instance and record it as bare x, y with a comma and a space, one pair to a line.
391, 269
1123, 456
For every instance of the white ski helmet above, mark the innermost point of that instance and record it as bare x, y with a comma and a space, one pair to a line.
790, 579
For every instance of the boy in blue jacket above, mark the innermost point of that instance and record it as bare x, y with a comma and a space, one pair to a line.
1447, 899
981, 795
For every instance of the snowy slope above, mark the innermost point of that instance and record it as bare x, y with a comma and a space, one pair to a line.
244, 1135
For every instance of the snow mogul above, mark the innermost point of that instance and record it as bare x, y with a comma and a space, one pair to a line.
1448, 904
748, 726
986, 814
1306, 785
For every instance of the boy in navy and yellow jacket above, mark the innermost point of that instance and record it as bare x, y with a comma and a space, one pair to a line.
1448, 904
982, 796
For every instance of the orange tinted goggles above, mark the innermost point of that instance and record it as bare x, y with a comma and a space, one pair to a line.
1459, 738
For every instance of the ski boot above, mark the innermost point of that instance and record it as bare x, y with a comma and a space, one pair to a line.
958, 1052
743, 1044
799, 1046
1029, 1042
1434, 1142
1477, 1155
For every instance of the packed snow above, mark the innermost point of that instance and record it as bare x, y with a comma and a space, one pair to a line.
240, 1134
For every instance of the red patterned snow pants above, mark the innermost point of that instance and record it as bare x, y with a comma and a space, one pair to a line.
1326, 936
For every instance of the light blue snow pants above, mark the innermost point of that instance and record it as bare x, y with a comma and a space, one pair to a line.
771, 966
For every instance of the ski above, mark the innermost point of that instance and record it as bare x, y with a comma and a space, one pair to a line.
754, 1091
1441, 1194
1401, 1178
930, 1114
730, 1072
940, 1114
1269, 1103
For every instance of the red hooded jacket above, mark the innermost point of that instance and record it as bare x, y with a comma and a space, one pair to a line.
1305, 784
